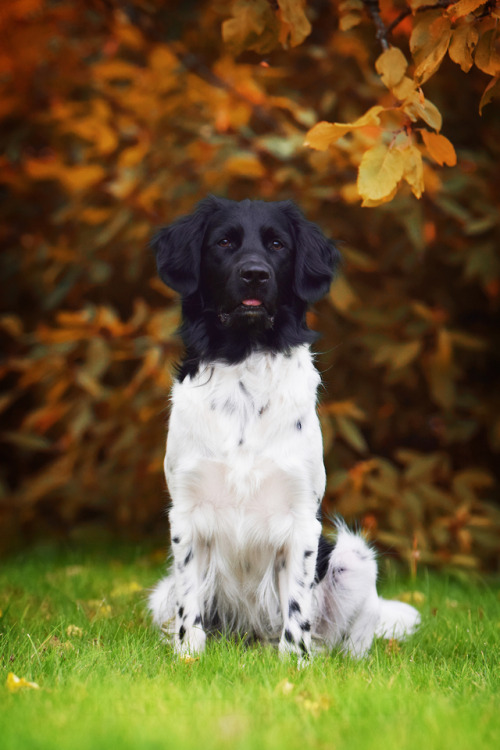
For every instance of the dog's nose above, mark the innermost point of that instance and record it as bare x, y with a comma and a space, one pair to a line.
254, 273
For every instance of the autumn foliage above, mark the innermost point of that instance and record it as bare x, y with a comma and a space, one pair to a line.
380, 120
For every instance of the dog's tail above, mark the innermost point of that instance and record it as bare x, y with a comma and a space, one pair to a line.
397, 619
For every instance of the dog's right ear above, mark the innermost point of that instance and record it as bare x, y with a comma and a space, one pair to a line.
178, 249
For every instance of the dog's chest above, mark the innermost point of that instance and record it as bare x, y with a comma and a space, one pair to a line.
241, 435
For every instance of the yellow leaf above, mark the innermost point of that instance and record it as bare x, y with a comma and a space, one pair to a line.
429, 41
73, 631
417, 107
380, 171
440, 148
342, 295
414, 170
464, 7
462, 45
15, 683
125, 589
294, 22
412, 597
349, 21
391, 66
253, 26
404, 88
325, 133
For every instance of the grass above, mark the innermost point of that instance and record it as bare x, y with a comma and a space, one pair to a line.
75, 623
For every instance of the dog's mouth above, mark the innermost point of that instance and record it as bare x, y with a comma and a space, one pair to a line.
251, 311
251, 303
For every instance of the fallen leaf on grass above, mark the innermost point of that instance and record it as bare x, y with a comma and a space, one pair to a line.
411, 597
392, 647
125, 589
187, 659
284, 687
98, 608
314, 706
73, 631
15, 683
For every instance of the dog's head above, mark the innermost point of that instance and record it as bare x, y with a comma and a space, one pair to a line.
246, 265
246, 257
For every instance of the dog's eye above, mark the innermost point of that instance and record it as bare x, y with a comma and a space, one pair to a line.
224, 242
276, 245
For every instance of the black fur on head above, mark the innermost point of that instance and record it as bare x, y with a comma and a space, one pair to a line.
246, 272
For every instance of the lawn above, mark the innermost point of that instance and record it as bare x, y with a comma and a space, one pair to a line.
74, 622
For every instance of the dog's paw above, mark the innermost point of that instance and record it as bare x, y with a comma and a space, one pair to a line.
191, 643
291, 648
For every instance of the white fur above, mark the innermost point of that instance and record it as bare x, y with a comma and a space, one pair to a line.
245, 472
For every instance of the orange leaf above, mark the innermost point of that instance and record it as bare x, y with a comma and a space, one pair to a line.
491, 91
440, 148
487, 57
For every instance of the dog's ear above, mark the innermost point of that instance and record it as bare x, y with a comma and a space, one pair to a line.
178, 249
316, 260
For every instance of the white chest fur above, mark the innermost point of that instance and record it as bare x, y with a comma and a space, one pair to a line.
244, 440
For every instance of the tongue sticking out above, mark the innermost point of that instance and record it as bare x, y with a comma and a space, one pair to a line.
251, 302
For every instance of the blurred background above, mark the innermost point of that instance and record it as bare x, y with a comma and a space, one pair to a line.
117, 118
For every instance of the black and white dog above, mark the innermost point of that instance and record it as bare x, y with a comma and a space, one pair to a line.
244, 459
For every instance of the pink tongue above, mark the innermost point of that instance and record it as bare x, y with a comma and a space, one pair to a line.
251, 302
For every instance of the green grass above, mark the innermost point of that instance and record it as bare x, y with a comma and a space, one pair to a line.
113, 684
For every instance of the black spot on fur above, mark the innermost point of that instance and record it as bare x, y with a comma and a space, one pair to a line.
197, 620
325, 548
306, 626
298, 425
176, 539
182, 632
241, 441
188, 557
264, 408
181, 611
289, 637
229, 406
308, 553
303, 647
293, 606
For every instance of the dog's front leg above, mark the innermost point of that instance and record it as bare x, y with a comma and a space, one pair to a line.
296, 583
189, 635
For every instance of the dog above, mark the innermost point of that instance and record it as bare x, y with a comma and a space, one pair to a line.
244, 458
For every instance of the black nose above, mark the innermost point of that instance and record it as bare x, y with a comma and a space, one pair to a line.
254, 273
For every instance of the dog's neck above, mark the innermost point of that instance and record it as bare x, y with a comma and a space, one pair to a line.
206, 339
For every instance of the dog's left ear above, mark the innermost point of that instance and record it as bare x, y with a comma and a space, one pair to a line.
317, 257
178, 249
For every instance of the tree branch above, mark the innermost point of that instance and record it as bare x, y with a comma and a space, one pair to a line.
373, 8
